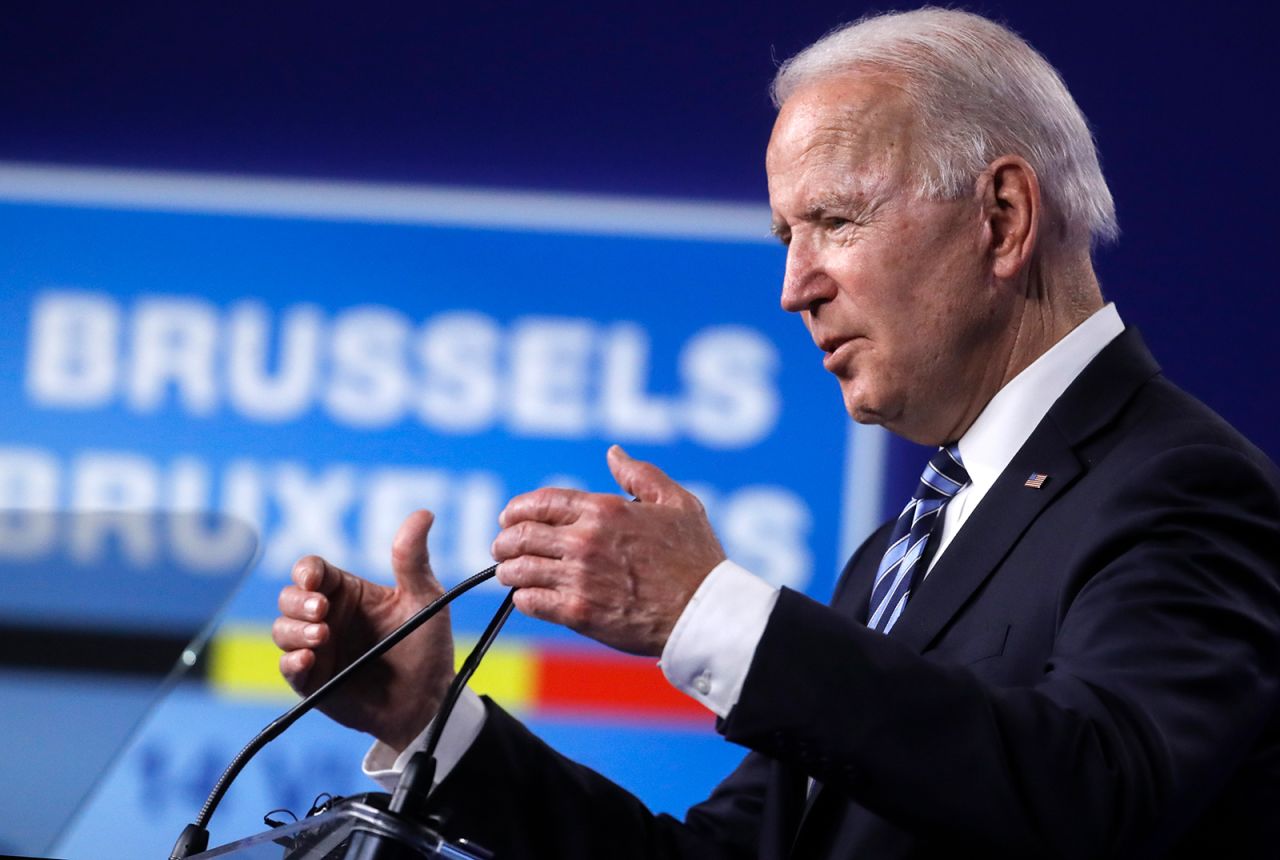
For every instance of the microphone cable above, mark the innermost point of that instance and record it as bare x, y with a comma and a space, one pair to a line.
195, 836
468, 669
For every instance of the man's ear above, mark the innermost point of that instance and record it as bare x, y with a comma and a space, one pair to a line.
1010, 192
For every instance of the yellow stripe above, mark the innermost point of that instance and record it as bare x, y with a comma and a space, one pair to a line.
244, 664
507, 673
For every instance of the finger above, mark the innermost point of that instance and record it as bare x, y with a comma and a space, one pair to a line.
529, 571
545, 605
645, 481
313, 573
290, 634
410, 561
296, 666
528, 538
552, 505
294, 602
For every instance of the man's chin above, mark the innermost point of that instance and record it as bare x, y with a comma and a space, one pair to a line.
864, 414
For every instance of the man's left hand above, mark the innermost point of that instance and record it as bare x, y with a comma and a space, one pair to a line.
617, 571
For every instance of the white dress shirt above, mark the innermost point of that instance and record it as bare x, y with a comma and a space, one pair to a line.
714, 640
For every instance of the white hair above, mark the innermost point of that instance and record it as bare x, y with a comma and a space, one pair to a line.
979, 92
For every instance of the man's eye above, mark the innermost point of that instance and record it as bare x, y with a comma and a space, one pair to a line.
837, 223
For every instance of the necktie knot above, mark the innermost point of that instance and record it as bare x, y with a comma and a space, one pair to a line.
905, 559
944, 476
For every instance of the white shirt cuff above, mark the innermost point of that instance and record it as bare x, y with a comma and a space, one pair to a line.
711, 647
383, 766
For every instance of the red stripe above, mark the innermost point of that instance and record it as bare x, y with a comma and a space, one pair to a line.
600, 683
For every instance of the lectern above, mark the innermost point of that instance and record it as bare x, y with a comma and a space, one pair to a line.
358, 828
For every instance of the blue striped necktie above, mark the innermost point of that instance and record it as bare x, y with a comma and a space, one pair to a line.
905, 560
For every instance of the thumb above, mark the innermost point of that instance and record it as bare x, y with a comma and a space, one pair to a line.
642, 480
410, 561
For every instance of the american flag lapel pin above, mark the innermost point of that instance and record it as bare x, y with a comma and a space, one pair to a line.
1036, 481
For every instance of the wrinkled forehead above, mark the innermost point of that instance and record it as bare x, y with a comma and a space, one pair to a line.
856, 121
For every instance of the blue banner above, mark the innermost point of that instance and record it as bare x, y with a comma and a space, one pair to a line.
320, 359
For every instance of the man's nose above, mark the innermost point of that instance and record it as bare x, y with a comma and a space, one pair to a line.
805, 283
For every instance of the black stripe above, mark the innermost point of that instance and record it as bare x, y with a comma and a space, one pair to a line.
48, 648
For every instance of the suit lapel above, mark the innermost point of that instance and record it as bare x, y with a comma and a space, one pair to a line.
785, 810
1010, 506
1002, 516
816, 806
854, 597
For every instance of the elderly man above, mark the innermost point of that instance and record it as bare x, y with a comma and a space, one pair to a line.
1068, 644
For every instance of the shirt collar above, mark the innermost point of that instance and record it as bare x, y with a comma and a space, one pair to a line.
1009, 419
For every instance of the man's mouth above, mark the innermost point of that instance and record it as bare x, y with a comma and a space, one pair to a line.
829, 343
833, 349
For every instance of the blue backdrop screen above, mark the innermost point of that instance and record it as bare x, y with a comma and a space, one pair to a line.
320, 375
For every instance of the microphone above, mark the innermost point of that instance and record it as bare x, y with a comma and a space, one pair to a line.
415, 781
411, 792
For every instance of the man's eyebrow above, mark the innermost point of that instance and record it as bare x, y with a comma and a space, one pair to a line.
837, 202
851, 204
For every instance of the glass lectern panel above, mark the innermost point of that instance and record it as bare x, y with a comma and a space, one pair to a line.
100, 613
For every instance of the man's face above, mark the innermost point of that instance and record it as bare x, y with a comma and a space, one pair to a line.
895, 290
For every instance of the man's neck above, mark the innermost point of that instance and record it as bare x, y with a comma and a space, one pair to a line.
1059, 294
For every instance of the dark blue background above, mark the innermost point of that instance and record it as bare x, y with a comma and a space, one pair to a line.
670, 99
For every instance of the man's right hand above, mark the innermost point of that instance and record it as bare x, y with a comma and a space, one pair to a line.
328, 617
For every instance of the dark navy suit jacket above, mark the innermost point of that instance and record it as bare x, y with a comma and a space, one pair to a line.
1091, 669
